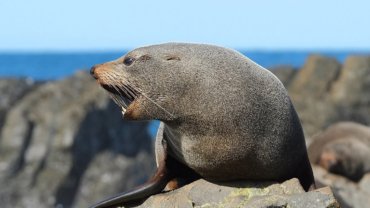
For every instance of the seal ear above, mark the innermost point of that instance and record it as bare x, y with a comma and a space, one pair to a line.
145, 57
172, 57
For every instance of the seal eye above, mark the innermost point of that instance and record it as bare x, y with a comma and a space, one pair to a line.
128, 61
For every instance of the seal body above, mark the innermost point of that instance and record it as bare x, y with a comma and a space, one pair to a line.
222, 115
343, 148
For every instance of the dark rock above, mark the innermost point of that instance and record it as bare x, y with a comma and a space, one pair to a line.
65, 136
11, 90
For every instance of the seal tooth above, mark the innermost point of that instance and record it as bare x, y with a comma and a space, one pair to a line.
123, 110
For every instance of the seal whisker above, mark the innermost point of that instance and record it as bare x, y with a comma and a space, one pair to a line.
122, 93
159, 106
128, 92
131, 91
123, 104
115, 100
151, 100
127, 87
118, 100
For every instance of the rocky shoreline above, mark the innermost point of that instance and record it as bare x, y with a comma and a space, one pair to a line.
63, 143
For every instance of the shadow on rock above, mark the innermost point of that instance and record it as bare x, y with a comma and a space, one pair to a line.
92, 139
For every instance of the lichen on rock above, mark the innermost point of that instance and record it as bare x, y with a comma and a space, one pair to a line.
204, 194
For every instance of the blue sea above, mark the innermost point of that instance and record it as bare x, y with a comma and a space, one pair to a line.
53, 66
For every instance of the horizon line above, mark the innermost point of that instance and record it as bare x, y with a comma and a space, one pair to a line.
240, 49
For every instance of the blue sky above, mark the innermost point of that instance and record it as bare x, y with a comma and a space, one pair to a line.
44, 25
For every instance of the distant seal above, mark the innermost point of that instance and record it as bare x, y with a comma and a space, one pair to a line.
223, 117
343, 148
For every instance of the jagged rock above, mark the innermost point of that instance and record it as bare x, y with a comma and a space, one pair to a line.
284, 73
204, 194
324, 92
11, 90
353, 82
103, 179
53, 135
308, 91
315, 78
350, 93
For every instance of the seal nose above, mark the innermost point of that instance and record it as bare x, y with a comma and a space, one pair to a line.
92, 72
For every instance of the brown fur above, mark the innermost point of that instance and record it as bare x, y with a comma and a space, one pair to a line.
343, 148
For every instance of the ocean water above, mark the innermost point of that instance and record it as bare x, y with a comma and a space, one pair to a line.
50, 66
53, 66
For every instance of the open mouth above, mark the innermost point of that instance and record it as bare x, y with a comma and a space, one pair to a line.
122, 95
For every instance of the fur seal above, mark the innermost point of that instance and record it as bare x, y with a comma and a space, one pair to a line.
343, 148
223, 117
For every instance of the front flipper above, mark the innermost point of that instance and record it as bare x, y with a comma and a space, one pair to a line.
170, 174
155, 185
